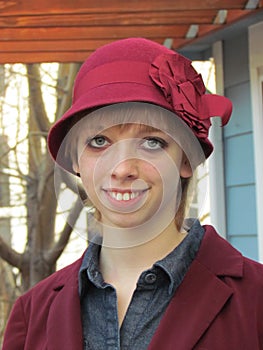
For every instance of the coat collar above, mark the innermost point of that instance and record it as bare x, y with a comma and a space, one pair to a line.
201, 295
219, 256
195, 304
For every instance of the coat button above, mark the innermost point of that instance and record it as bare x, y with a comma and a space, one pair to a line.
150, 278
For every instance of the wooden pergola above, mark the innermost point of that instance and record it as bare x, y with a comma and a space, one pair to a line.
69, 30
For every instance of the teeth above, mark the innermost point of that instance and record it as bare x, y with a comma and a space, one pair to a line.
123, 196
119, 196
126, 196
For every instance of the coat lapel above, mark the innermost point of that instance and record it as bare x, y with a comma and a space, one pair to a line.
64, 329
200, 297
193, 308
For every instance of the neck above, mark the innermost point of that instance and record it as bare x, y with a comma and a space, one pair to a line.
133, 259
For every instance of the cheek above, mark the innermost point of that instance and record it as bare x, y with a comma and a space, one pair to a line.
166, 169
87, 169
149, 168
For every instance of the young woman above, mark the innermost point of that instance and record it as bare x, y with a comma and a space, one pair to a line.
136, 131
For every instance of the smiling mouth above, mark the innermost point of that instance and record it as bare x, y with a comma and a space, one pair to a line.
124, 195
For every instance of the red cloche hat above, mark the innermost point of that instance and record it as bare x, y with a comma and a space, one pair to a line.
141, 70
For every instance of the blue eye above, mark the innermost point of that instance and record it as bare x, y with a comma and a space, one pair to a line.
98, 142
154, 143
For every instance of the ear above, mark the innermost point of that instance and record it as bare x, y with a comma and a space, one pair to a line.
75, 167
186, 169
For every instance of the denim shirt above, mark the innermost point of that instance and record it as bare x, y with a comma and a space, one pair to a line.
155, 289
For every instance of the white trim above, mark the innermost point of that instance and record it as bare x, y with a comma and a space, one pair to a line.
256, 78
252, 4
192, 31
216, 162
168, 42
221, 17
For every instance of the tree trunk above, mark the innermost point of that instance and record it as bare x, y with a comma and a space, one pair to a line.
43, 248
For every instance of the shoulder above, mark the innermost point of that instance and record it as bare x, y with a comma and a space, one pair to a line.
224, 260
41, 305
54, 282
242, 275
253, 270
43, 294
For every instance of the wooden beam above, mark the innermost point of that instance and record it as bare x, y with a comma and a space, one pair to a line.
79, 33
234, 15
106, 19
29, 52
32, 7
66, 30
37, 57
51, 46
61, 46
205, 29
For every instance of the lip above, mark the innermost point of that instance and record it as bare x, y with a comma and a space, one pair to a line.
124, 197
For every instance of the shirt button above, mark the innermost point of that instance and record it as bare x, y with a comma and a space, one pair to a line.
150, 278
94, 274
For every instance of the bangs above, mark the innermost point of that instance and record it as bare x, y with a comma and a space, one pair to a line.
139, 126
123, 114
146, 116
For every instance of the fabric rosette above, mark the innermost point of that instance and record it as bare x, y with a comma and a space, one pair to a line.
185, 91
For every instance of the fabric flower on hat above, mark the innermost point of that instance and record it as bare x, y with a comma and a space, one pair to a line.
183, 88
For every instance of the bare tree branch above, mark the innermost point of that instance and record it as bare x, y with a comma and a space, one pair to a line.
32, 169
73, 184
65, 99
36, 97
10, 255
52, 255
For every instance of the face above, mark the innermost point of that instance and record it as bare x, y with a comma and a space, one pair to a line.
131, 173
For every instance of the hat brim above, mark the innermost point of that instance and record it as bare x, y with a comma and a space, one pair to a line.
102, 96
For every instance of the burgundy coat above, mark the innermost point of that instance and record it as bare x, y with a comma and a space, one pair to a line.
218, 306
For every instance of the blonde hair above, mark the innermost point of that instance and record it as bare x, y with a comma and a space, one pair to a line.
146, 114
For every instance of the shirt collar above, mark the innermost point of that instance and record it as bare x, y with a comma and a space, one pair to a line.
89, 268
175, 264
179, 260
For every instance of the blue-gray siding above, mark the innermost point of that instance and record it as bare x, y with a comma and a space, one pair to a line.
239, 154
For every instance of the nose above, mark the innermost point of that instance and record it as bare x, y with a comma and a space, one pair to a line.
122, 160
126, 170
